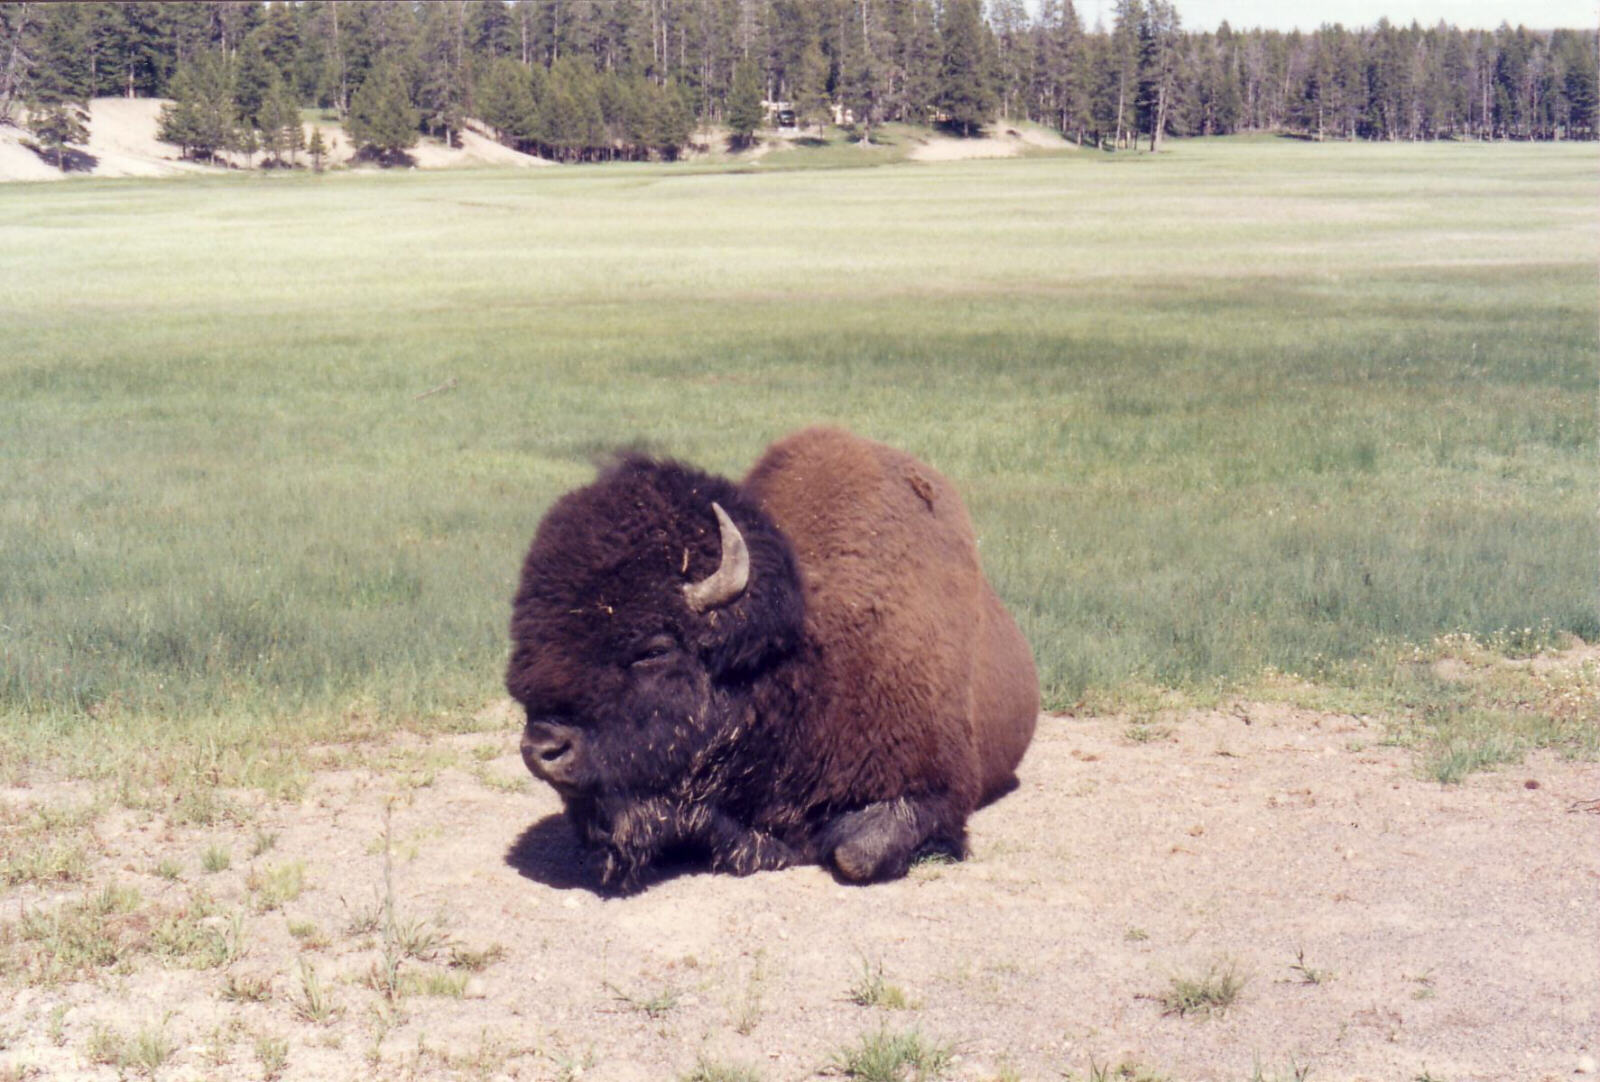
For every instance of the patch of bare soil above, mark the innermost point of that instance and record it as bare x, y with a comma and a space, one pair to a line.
999, 143
1385, 927
122, 143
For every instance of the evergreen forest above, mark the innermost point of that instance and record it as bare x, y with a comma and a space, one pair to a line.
585, 80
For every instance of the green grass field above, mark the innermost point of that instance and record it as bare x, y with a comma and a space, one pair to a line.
1242, 408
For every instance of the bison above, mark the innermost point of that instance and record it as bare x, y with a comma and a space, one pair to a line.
805, 667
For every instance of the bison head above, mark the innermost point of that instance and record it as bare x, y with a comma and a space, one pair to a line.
649, 602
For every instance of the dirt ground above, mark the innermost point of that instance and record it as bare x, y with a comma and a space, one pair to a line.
1386, 927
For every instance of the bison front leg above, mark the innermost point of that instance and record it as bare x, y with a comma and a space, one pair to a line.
740, 850
880, 840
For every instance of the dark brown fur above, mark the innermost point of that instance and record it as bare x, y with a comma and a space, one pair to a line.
853, 706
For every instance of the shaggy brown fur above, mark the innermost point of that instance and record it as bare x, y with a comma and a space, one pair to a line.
853, 705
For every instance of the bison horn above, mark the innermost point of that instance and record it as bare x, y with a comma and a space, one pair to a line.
730, 578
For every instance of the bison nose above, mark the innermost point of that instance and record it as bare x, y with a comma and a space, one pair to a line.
551, 753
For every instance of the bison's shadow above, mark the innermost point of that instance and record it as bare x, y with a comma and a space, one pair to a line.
548, 853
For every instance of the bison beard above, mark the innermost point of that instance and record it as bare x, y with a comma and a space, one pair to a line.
808, 666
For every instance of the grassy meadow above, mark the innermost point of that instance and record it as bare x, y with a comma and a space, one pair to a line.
1245, 408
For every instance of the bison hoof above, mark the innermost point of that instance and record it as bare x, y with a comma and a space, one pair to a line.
868, 857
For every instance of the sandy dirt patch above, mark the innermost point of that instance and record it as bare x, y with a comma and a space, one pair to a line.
1386, 927
122, 143
1001, 143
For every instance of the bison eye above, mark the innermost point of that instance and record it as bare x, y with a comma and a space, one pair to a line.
655, 649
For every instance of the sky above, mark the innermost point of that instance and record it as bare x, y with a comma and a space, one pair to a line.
1287, 15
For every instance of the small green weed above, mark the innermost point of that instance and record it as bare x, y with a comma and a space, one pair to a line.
168, 868
657, 1005
1309, 974
216, 858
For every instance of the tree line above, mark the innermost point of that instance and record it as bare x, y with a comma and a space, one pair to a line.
600, 79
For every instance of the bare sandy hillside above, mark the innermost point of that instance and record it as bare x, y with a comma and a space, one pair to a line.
1003, 142
122, 143
1383, 927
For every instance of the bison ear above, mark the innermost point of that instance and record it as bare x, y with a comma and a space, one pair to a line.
732, 575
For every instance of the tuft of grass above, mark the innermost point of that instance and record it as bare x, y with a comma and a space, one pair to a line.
145, 1052
105, 1045
149, 1049
433, 982
1295, 1072
750, 1005
273, 886
656, 1005
100, 932
263, 841
501, 783
905, 1056
706, 1070
168, 868
871, 990
56, 1025
1212, 992
247, 988
475, 959
189, 935
1126, 1071
309, 936
1135, 935
216, 858
313, 1004
419, 937
60, 862
272, 1053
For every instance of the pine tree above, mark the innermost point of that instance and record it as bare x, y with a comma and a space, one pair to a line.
745, 114
810, 89
252, 80
1122, 65
316, 148
966, 90
58, 99
381, 115
244, 140
1015, 54
202, 116
281, 129
505, 100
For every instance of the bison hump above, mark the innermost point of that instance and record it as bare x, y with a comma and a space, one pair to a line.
894, 599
